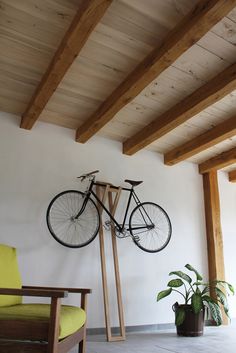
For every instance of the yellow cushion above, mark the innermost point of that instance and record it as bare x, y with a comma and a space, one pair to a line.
9, 275
71, 318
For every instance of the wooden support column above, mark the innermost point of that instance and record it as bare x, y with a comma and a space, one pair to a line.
213, 230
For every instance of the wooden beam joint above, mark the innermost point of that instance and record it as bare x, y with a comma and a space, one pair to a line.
210, 138
221, 161
232, 176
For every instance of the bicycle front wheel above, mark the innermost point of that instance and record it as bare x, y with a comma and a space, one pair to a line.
150, 227
62, 222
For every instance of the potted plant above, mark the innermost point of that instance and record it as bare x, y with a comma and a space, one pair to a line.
198, 296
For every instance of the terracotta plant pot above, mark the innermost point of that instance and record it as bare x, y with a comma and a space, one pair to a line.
193, 324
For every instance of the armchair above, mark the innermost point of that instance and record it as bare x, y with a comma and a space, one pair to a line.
36, 328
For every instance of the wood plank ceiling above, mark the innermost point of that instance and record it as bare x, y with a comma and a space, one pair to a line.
174, 92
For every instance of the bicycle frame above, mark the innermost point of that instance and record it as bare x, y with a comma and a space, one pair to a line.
132, 195
74, 218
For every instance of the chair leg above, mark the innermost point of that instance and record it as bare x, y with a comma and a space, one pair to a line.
82, 344
54, 326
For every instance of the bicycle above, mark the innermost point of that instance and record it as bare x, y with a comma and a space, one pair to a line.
73, 218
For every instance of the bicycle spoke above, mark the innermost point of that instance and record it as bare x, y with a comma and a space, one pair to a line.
157, 234
63, 225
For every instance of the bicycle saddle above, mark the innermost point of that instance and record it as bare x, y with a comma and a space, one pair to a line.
133, 182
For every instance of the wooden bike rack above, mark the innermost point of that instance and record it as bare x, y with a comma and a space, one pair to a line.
106, 192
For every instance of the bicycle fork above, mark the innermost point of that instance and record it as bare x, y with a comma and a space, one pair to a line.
82, 208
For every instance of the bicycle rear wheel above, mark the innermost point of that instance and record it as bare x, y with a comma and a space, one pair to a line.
150, 227
62, 222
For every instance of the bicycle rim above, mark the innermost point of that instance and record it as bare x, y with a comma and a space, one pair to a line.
62, 224
157, 236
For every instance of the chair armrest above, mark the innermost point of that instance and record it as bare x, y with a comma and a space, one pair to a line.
70, 290
34, 292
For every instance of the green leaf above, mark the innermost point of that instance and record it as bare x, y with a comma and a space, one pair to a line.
196, 302
223, 300
175, 283
225, 284
198, 291
206, 290
191, 268
215, 313
214, 309
231, 288
208, 299
181, 275
198, 283
221, 296
163, 294
179, 316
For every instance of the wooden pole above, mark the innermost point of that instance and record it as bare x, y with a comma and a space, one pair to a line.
105, 192
213, 230
112, 207
103, 266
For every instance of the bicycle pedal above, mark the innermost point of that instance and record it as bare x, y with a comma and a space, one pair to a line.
136, 238
107, 225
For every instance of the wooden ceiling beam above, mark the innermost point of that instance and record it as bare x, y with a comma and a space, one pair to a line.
222, 160
85, 20
203, 97
194, 26
200, 143
232, 176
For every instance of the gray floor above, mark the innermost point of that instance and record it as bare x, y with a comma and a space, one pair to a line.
215, 339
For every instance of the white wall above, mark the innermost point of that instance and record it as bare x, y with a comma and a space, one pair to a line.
36, 165
228, 220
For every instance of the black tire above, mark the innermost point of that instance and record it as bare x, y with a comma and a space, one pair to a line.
61, 222
157, 237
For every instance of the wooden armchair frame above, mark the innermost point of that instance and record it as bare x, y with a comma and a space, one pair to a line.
30, 336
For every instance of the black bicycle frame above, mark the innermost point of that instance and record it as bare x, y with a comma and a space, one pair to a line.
133, 195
